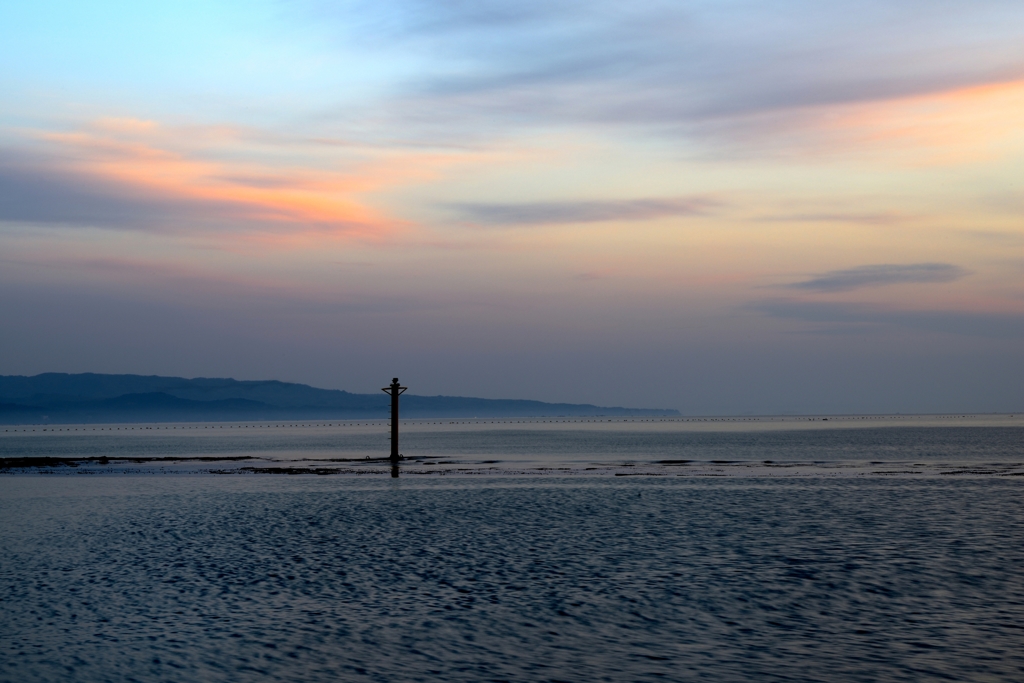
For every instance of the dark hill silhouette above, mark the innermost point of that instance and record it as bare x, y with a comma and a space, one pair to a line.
88, 397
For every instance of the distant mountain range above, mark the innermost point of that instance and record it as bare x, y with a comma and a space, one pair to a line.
62, 398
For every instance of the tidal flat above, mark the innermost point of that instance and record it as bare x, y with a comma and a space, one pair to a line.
531, 568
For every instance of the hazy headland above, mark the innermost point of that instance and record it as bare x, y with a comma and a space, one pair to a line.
58, 398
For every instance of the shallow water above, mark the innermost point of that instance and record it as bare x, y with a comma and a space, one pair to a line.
186, 578
509, 551
838, 445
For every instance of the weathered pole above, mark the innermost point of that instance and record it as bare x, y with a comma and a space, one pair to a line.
395, 390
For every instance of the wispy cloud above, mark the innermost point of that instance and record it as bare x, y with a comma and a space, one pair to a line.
852, 317
596, 211
141, 178
41, 190
592, 275
880, 218
880, 276
678, 64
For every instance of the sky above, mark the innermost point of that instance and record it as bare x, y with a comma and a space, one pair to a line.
723, 207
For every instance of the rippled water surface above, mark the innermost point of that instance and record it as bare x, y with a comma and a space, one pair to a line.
263, 578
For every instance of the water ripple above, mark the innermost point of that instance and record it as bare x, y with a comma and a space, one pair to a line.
312, 579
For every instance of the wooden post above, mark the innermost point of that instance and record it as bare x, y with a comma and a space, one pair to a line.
394, 390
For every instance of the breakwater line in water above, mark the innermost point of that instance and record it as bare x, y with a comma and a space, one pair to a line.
426, 467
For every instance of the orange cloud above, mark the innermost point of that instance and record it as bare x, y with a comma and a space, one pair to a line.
302, 199
228, 177
966, 125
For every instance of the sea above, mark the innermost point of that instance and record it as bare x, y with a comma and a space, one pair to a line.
829, 548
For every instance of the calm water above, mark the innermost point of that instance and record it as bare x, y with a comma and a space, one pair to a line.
524, 445
525, 578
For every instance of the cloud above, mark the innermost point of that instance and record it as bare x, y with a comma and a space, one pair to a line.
836, 217
146, 179
552, 213
843, 317
670, 64
38, 190
592, 275
880, 276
